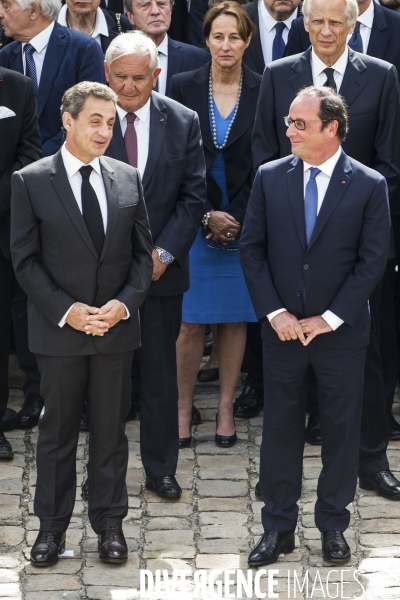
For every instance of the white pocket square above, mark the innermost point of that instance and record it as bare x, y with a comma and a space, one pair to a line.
6, 112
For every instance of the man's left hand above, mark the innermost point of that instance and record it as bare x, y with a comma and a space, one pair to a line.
111, 313
314, 326
158, 267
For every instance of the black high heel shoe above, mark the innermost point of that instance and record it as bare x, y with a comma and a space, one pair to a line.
196, 420
224, 441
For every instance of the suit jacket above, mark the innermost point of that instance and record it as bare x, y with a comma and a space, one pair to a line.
56, 263
384, 42
371, 90
191, 89
174, 186
344, 260
253, 56
198, 9
71, 57
116, 6
178, 29
182, 58
21, 141
113, 29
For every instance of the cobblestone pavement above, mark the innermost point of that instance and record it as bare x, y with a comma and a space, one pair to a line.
213, 526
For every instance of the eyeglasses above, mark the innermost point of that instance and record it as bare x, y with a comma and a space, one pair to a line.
299, 123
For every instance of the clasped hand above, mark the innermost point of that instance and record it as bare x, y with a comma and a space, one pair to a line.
96, 321
222, 223
289, 328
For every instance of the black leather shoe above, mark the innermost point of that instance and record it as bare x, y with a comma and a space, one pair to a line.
29, 414
394, 427
6, 452
135, 404
112, 545
334, 547
196, 416
224, 441
85, 490
313, 430
257, 491
249, 403
208, 375
270, 546
48, 545
384, 483
165, 487
9, 421
185, 442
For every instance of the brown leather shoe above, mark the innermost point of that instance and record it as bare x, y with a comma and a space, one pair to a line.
47, 547
112, 545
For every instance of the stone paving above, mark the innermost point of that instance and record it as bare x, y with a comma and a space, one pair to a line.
213, 527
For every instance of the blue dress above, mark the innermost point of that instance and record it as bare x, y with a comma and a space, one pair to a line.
218, 292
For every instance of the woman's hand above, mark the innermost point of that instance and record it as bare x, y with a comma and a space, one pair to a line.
224, 227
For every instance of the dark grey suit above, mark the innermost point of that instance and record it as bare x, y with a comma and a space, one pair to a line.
57, 265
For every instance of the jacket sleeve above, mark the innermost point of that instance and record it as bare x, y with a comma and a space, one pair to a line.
265, 143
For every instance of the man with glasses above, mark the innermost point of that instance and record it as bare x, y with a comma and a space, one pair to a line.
371, 91
314, 246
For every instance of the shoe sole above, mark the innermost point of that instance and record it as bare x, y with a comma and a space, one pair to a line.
371, 488
313, 442
151, 487
286, 550
6, 455
250, 416
336, 560
115, 561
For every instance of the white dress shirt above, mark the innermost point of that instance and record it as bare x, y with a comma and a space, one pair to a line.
142, 127
322, 181
163, 64
72, 166
100, 27
366, 20
317, 68
40, 43
268, 31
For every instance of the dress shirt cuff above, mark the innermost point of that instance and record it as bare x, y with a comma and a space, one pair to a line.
276, 312
332, 320
128, 314
65, 317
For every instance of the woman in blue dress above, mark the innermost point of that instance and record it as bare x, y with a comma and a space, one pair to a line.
224, 94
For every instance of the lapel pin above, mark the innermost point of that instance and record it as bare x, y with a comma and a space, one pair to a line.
162, 120
343, 182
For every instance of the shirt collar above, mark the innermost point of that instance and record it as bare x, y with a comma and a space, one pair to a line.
142, 114
269, 21
41, 40
163, 47
101, 23
72, 164
328, 166
318, 66
367, 18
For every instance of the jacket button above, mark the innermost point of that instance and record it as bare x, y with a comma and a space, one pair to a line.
306, 267
228, 159
231, 185
298, 294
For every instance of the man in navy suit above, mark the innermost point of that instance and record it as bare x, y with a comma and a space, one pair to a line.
154, 18
314, 246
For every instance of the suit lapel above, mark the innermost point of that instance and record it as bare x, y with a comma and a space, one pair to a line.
52, 60
199, 102
111, 186
59, 179
15, 63
338, 184
158, 123
379, 37
354, 80
302, 76
175, 57
247, 106
117, 145
295, 180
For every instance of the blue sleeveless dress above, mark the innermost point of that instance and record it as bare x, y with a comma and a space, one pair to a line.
218, 292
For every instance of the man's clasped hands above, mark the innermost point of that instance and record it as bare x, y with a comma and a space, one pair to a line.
96, 321
289, 328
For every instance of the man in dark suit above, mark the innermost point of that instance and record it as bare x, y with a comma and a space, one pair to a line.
154, 18
165, 144
273, 21
21, 146
370, 89
314, 246
81, 248
197, 12
391, 4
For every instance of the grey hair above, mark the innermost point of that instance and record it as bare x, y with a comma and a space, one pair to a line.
74, 99
48, 8
332, 107
128, 5
134, 43
351, 10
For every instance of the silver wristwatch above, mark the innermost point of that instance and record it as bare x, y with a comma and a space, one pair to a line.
165, 257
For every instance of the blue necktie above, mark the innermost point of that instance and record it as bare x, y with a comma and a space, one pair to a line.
278, 47
311, 203
355, 42
31, 67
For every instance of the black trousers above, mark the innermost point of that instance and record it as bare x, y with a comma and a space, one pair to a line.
339, 376
6, 283
155, 366
388, 341
104, 379
26, 359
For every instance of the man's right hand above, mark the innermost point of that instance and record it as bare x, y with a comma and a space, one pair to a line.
78, 318
287, 327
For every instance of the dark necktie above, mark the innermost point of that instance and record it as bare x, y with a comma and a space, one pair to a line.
311, 203
278, 46
31, 67
330, 82
355, 42
157, 86
91, 210
130, 140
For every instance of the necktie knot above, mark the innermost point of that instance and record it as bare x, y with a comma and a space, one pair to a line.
357, 27
330, 82
279, 27
29, 49
130, 117
86, 171
314, 172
